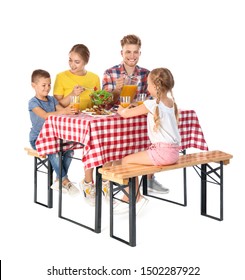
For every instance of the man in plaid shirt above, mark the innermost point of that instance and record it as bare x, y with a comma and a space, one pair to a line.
113, 80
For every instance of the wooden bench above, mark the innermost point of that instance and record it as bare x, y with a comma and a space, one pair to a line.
121, 176
42, 165
34, 153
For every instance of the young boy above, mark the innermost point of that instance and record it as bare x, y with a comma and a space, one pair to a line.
40, 107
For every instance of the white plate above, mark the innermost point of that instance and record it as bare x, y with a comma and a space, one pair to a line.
112, 114
86, 112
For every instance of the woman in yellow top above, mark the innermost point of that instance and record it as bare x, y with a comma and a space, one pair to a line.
77, 80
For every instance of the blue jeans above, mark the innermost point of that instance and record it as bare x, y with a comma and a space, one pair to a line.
54, 160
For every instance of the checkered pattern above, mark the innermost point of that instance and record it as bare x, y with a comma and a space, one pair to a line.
190, 131
110, 138
112, 74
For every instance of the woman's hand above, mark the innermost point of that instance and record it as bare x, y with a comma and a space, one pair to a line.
77, 90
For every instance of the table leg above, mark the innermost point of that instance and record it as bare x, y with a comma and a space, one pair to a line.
60, 179
97, 227
98, 185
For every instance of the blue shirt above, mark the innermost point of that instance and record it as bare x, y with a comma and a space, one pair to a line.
37, 122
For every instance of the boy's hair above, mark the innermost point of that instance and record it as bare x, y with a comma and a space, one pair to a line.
39, 73
131, 39
82, 50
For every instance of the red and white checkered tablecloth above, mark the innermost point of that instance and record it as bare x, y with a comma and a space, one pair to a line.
110, 138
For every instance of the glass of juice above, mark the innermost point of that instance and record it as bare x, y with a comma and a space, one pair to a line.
124, 101
75, 103
129, 87
141, 98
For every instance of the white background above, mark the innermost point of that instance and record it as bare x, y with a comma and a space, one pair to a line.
202, 43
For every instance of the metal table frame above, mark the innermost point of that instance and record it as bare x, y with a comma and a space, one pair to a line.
98, 185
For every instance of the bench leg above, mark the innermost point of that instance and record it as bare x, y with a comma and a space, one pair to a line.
203, 190
218, 180
38, 164
132, 211
50, 182
111, 210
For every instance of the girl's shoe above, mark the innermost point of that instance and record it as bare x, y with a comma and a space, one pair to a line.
120, 207
141, 203
106, 190
123, 207
154, 186
89, 191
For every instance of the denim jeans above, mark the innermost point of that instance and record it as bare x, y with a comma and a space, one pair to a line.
54, 160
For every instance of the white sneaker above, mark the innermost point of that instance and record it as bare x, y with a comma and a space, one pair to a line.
120, 207
140, 204
89, 191
71, 189
123, 207
55, 187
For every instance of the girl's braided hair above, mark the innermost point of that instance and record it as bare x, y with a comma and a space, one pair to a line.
163, 79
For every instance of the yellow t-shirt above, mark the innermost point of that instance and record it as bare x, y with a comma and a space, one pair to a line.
65, 82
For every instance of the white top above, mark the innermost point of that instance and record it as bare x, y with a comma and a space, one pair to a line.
168, 131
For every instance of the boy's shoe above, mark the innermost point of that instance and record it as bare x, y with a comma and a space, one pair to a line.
71, 189
88, 190
106, 190
154, 186
55, 187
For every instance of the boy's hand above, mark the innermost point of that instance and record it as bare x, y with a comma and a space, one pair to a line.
69, 110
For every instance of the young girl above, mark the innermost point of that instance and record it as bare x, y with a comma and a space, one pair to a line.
162, 116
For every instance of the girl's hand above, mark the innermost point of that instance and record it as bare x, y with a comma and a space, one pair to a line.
120, 109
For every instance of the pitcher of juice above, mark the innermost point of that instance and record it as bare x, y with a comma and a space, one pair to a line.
129, 87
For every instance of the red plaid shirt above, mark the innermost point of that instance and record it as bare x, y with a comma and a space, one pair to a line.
112, 74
